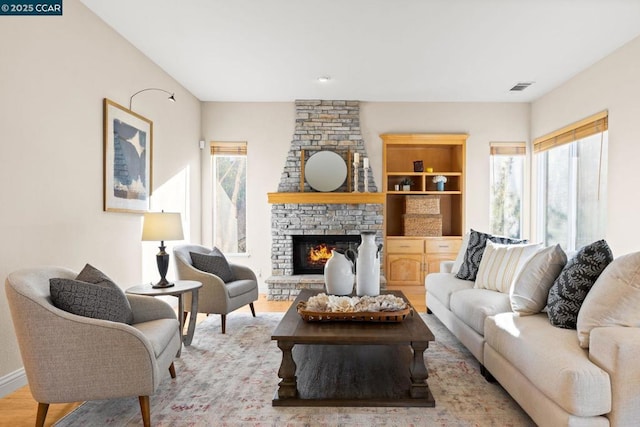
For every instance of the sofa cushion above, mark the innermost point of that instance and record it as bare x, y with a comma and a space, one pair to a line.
614, 299
215, 263
473, 255
91, 294
442, 285
500, 264
159, 332
552, 360
530, 288
472, 306
574, 282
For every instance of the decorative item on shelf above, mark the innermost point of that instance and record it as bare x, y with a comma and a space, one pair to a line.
423, 225
365, 163
429, 205
439, 180
429, 170
339, 274
162, 226
356, 161
396, 187
418, 166
368, 265
406, 184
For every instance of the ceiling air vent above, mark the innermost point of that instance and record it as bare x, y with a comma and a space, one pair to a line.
520, 86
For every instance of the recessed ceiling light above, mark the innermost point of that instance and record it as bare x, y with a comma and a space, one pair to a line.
324, 79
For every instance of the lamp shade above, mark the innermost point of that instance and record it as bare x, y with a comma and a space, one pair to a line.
162, 226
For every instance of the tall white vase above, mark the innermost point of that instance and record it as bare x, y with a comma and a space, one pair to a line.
368, 265
338, 274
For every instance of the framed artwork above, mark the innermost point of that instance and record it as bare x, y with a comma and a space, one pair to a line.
128, 147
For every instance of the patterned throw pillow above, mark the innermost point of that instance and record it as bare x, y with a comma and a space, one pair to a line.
574, 282
475, 249
92, 294
214, 263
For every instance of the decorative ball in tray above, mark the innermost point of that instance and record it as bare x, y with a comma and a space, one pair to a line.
381, 308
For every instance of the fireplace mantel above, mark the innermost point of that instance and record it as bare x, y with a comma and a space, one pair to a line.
325, 198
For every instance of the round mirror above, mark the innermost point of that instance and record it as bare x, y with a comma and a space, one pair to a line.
325, 171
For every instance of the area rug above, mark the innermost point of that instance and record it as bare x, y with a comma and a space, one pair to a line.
230, 380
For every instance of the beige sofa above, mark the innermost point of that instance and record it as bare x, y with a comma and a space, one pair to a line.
543, 367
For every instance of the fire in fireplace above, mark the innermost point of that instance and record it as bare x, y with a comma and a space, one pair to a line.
311, 252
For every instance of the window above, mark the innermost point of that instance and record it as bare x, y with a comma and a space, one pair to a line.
507, 182
572, 183
229, 166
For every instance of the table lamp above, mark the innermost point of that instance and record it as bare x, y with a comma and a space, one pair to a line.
162, 226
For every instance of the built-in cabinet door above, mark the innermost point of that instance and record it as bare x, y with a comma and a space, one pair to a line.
405, 269
432, 262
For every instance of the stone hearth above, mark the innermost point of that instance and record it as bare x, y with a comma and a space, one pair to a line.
320, 125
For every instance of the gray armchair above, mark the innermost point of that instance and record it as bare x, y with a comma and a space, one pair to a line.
70, 358
216, 296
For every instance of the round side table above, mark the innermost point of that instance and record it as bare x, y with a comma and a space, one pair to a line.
179, 288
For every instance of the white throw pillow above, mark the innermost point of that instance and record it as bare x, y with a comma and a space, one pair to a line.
531, 286
614, 299
460, 258
501, 263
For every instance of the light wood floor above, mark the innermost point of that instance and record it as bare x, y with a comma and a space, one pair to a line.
19, 409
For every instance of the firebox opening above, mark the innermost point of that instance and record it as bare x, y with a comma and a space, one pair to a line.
311, 252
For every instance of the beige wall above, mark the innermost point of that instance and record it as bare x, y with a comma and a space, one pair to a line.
268, 130
55, 71
612, 84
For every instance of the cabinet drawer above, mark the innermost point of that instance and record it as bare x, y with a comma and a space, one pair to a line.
443, 246
403, 246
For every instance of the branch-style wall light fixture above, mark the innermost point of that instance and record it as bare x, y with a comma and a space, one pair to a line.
171, 98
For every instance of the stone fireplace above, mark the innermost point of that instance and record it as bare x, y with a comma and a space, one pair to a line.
320, 125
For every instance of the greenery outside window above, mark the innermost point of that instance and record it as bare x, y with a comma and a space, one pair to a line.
507, 185
229, 166
572, 183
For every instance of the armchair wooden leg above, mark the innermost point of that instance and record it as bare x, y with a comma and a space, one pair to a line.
42, 414
172, 370
145, 409
253, 310
224, 322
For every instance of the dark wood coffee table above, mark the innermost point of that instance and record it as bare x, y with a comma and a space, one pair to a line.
352, 363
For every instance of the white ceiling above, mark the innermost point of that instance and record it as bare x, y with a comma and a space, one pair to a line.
373, 50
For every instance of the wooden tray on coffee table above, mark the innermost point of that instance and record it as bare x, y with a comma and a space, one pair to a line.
362, 316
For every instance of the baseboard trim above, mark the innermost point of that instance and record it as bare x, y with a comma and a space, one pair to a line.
12, 381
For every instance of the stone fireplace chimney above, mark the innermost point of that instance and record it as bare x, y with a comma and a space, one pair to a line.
320, 125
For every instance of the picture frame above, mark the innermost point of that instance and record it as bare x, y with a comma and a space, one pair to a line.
127, 159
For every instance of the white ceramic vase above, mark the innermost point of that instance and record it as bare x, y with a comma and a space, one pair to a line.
368, 265
338, 274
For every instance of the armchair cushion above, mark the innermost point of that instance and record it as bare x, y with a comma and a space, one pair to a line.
91, 294
214, 263
156, 332
239, 287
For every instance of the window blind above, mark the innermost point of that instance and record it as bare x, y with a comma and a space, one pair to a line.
592, 125
508, 148
229, 148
